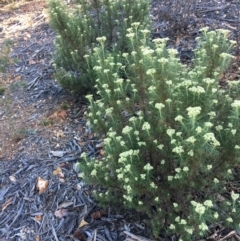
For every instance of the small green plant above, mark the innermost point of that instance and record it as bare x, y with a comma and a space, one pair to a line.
77, 29
64, 106
4, 55
2, 90
6, 102
172, 135
47, 122
18, 85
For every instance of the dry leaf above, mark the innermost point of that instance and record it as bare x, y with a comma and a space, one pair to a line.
83, 223
17, 78
12, 178
58, 153
78, 234
62, 180
37, 238
63, 164
54, 115
62, 212
32, 62
57, 171
134, 237
177, 41
42, 185
7, 203
62, 114
100, 145
102, 152
57, 145
65, 204
58, 133
38, 217
98, 214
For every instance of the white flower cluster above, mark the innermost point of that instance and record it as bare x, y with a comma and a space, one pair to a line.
145, 31
151, 71
208, 81
126, 129
211, 138
128, 198
135, 24
189, 230
191, 153
93, 173
234, 83
178, 169
234, 195
179, 118
159, 106
101, 39
191, 139
160, 40
225, 55
148, 167
151, 88
130, 35
124, 155
198, 130
236, 104
230, 220
172, 52
146, 51
212, 114
186, 83
199, 208
198, 89
170, 132
193, 111
208, 124
146, 126
109, 111
178, 150
160, 146
203, 227
163, 60
208, 203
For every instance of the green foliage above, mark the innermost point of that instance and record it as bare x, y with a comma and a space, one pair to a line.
4, 55
78, 27
64, 106
4, 62
2, 90
171, 134
47, 122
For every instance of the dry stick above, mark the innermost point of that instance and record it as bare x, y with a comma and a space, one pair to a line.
54, 234
229, 20
211, 9
231, 234
18, 214
135, 237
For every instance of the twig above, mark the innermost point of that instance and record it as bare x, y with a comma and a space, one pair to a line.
136, 238
32, 83
211, 9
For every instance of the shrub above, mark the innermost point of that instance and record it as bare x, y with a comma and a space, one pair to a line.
78, 27
171, 134
5, 61
4, 56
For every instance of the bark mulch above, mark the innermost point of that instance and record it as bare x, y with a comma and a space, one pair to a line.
43, 131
